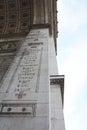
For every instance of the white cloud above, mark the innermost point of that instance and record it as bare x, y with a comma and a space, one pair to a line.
73, 64
72, 14
72, 61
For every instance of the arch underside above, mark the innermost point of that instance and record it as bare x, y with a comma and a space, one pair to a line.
16, 16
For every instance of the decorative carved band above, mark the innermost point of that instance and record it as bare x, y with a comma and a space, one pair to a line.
57, 79
11, 46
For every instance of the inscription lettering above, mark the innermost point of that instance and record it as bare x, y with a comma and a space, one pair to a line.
27, 73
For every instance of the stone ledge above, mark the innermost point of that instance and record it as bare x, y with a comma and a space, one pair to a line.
58, 79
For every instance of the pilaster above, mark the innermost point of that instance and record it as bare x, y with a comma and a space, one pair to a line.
24, 93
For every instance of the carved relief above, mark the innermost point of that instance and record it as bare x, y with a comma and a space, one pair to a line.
23, 82
25, 78
15, 16
5, 61
11, 46
7, 53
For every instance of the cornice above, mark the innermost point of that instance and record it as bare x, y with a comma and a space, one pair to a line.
58, 80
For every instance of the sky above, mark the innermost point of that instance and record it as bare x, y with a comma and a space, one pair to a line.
72, 61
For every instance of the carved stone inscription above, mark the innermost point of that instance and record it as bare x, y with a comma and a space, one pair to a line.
26, 77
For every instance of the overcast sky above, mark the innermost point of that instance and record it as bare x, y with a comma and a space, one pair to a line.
72, 61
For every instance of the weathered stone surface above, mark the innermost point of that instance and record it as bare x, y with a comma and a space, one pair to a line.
22, 86
30, 97
7, 53
4, 64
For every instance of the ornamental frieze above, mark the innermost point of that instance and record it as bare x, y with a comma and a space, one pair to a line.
10, 46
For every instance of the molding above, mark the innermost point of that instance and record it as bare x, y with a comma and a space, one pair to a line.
58, 80
38, 26
18, 109
12, 36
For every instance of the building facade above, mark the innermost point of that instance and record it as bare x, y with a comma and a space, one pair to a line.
31, 90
